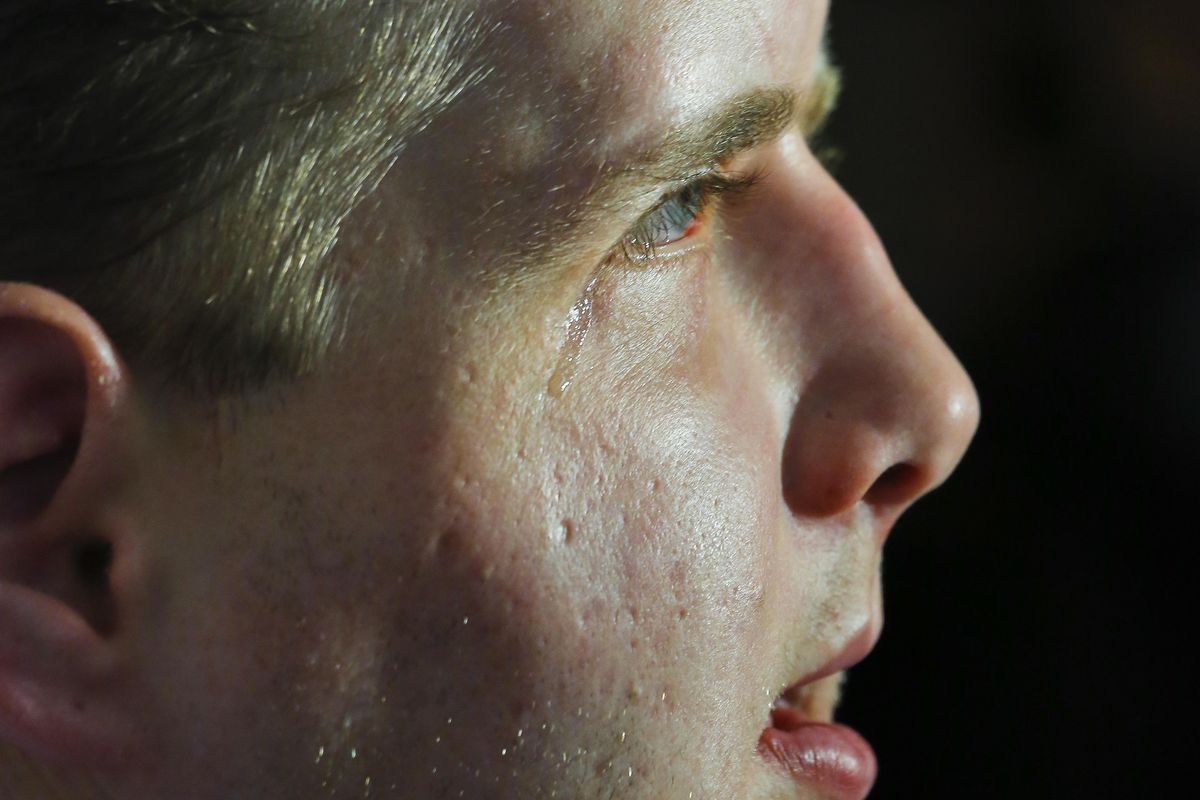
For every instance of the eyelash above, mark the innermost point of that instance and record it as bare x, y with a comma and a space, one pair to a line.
680, 210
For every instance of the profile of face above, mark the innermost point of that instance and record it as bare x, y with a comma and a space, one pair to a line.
590, 500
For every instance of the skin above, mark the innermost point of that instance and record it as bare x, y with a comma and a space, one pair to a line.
426, 572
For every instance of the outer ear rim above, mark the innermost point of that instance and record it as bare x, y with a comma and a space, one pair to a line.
76, 717
105, 384
102, 368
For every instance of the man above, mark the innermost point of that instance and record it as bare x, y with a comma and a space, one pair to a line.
438, 399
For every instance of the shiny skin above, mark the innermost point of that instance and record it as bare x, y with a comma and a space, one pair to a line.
419, 573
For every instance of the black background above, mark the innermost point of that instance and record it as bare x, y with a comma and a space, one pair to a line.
1034, 168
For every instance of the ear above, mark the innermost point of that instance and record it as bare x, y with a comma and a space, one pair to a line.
65, 447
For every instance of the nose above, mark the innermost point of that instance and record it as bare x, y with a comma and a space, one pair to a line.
881, 410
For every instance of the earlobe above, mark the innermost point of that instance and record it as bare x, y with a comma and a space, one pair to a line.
63, 455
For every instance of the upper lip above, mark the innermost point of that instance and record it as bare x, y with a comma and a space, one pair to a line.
855, 650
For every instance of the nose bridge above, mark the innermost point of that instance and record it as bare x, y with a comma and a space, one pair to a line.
884, 411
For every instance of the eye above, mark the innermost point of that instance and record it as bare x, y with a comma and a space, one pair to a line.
680, 216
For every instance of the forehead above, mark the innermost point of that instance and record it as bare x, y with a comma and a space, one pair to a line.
613, 76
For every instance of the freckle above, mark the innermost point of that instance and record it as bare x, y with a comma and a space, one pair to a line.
683, 613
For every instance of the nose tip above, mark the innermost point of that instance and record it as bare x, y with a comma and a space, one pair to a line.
935, 444
883, 429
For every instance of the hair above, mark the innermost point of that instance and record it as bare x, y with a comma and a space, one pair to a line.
183, 168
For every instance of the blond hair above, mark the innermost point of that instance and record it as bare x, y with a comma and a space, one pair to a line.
183, 168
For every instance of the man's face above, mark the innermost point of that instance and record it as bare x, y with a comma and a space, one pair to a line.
564, 518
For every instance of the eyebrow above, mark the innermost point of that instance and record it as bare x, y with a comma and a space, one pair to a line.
744, 123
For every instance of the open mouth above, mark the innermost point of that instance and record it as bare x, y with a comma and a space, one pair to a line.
816, 752
802, 740
815, 701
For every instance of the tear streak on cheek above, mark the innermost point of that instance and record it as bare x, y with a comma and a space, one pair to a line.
656, 311
577, 325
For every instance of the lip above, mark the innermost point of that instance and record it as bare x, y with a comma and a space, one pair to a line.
822, 755
858, 648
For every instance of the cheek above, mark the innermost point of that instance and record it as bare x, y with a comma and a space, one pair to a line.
605, 551
672, 489
585, 574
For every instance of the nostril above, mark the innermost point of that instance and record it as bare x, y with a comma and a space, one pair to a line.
899, 484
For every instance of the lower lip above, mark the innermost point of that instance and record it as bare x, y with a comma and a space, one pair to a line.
825, 756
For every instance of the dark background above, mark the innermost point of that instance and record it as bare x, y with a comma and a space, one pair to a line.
1034, 168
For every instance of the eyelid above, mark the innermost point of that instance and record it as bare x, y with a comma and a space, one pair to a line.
811, 120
